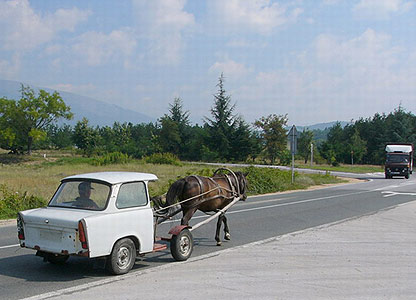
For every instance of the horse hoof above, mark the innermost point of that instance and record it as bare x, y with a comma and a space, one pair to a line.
227, 236
219, 243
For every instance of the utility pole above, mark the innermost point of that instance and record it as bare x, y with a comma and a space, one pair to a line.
311, 154
293, 145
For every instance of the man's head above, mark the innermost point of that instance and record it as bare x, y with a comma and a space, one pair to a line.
84, 189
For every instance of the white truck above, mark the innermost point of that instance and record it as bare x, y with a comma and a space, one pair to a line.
399, 160
99, 215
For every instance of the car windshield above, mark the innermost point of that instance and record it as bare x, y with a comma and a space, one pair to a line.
82, 195
397, 158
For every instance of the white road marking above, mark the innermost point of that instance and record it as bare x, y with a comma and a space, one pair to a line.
9, 246
390, 193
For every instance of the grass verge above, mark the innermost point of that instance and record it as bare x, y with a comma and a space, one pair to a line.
32, 184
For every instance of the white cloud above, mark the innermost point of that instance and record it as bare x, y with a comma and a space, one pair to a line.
336, 79
66, 19
259, 16
245, 43
163, 24
331, 2
97, 48
230, 68
370, 51
22, 29
381, 9
10, 69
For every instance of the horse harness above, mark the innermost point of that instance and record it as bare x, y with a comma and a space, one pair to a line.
217, 187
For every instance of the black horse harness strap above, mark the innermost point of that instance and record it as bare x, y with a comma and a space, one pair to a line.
217, 187
201, 185
238, 193
232, 185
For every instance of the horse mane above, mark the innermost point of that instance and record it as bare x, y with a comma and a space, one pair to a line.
175, 190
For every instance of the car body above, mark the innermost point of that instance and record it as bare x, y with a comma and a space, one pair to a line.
122, 211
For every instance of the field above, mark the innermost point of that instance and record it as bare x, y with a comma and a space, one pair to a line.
27, 182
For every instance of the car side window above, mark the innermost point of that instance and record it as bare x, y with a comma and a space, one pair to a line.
131, 195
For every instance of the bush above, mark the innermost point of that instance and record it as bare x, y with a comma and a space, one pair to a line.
12, 202
267, 180
162, 159
111, 158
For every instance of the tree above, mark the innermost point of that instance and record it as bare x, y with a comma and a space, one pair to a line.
26, 121
174, 135
60, 137
85, 137
144, 140
169, 136
222, 125
357, 146
244, 141
334, 149
273, 135
304, 143
177, 114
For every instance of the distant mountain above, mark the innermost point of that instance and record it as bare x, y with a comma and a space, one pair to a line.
320, 130
322, 126
97, 112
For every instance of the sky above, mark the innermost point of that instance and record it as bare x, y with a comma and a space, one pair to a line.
314, 60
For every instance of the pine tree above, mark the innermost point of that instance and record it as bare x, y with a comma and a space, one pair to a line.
222, 125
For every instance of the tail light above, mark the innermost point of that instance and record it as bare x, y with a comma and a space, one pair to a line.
81, 235
20, 230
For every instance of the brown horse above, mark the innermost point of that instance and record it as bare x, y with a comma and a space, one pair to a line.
207, 194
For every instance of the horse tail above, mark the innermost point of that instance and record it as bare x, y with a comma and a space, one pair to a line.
174, 191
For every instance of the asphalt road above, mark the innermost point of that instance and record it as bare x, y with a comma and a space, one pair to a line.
22, 274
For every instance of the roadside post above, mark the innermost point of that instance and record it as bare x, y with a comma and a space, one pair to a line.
311, 154
292, 136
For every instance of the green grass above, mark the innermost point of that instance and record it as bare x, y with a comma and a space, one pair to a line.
30, 182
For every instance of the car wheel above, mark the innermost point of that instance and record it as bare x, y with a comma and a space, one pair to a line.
122, 258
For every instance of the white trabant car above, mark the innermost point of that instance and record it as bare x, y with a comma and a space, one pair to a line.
98, 215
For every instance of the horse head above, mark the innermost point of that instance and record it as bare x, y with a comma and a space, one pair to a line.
242, 183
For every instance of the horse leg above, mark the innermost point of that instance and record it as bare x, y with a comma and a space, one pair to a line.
217, 233
227, 234
187, 215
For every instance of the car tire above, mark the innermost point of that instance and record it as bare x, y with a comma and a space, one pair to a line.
122, 258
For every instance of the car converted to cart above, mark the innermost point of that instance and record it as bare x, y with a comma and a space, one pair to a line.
104, 215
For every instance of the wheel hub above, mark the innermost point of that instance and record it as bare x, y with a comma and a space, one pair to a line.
123, 257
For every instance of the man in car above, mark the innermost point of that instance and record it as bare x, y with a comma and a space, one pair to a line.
84, 201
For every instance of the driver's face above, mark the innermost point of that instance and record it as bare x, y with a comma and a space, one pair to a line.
85, 193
